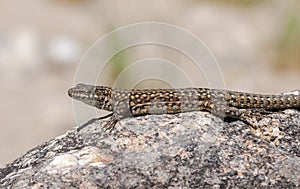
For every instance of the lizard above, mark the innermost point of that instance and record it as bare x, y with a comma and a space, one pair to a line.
123, 103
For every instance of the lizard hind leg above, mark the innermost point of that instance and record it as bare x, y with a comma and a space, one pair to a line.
249, 116
252, 116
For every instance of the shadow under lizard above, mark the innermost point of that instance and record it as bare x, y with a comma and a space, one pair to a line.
124, 103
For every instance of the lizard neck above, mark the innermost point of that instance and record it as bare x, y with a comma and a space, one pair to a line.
103, 99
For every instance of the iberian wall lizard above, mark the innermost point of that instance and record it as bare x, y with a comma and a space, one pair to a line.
124, 103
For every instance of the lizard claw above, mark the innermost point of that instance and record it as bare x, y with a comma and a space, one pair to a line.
110, 125
92, 121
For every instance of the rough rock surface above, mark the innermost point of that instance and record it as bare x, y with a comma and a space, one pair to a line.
190, 150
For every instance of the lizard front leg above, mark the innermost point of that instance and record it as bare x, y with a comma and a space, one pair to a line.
92, 121
113, 120
109, 125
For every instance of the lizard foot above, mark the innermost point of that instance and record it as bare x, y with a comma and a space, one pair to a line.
92, 121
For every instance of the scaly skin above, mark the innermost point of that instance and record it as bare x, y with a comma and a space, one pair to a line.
223, 103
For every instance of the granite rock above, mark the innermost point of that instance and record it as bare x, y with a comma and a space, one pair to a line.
188, 150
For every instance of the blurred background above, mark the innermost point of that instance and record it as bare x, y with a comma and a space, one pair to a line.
256, 44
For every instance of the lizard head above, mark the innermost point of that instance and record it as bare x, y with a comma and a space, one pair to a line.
97, 96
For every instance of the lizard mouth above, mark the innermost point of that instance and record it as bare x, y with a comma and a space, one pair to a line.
71, 92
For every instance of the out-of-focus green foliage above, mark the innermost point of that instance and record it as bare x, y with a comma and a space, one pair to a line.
119, 62
288, 46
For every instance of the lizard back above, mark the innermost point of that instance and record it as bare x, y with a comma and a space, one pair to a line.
168, 101
160, 101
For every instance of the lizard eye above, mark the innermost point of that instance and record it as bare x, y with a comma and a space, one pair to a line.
80, 85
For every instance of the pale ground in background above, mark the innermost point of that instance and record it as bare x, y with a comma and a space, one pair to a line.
34, 103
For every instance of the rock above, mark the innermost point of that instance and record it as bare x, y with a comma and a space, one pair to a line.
189, 150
